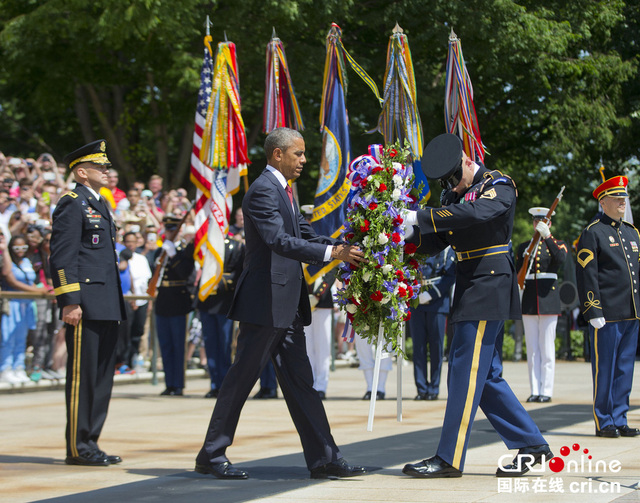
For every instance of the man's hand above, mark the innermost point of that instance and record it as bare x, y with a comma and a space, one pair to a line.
348, 253
72, 314
410, 218
543, 229
597, 322
424, 297
170, 248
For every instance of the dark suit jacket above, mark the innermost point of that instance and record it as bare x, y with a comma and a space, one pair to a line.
84, 264
271, 288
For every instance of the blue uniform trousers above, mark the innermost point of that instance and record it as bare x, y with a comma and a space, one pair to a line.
613, 351
474, 379
217, 332
172, 331
427, 332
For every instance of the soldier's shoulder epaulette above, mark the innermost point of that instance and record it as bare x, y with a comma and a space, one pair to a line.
496, 177
71, 194
629, 224
592, 224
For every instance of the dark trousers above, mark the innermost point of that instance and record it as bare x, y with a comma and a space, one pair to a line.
136, 331
287, 350
268, 377
172, 332
474, 380
613, 351
217, 332
90, 367
427, 332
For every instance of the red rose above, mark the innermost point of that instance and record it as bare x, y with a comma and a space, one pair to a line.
349, 236
365, 227
363, 183
414, 263
413, 199
375, 170
382, 188
377, 296
393, 152
409, 291
402, 292
353, 267
397, 221
400, 274
408, 316
377, 266
373, 206
410, 248
396, 238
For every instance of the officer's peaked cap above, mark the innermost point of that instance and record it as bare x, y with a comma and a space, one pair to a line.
95, 152
442, 157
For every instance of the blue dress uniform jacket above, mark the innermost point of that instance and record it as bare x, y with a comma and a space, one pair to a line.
486, 287
84, 270
84, 263
607, 270
542, 295
607, 276
175, 288
479, 230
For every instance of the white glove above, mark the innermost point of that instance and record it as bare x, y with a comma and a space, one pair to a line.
410, 219
170, 248
597, 322
425, 297
543, 229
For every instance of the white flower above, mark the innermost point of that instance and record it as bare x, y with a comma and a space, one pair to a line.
366, 276
352, 308
365, 241
382, 239
395, 195
385, 299
398, 181
397, 166
387, 268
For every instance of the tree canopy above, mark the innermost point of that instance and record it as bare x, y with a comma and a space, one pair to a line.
556, 83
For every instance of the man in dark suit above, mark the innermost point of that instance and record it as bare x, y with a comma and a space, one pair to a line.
272, 305
84, 269
476, 220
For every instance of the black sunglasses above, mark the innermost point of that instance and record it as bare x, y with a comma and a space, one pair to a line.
453, 180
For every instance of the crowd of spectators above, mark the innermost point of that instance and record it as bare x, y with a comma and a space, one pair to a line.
32, 345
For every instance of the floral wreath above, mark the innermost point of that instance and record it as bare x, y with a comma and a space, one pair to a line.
381, 291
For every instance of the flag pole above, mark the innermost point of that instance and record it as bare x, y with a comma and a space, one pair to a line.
376, 377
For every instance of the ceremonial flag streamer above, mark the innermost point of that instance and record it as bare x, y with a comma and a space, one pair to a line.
400, 118
280, 104
329, 210
218, 159
459, 111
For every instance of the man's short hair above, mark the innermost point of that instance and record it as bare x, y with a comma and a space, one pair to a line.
281, 138
155, 177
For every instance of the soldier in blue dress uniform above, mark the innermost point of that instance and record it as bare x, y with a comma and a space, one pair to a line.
541, 305
84, 270
173, 304
607, 273
476, 220
428, 321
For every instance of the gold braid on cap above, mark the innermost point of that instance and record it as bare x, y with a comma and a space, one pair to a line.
100, 158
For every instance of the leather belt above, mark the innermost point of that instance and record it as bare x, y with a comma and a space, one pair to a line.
174, 283
482, 252
430, 281
542, 275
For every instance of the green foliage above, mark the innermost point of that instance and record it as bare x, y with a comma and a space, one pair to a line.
556, 83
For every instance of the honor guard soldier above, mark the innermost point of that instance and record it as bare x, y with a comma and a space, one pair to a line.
607, 276
428, 321
84, 269
173, 304
476, 221
541, 305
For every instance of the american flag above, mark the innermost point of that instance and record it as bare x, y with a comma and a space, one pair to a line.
213, 202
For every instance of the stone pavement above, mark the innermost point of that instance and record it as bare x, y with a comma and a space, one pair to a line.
158, 437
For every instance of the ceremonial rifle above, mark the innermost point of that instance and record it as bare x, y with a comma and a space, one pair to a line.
522, 273
152, 289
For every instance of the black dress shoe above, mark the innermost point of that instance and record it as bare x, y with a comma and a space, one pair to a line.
113, 460
379, 395
533, 398
526, 458
367, 396
337, 469
608, 432
421, 396
432, 396
432, 468
91, 459
222, 471
626, 431
266, 393
544, 399
172, 392
212, 393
